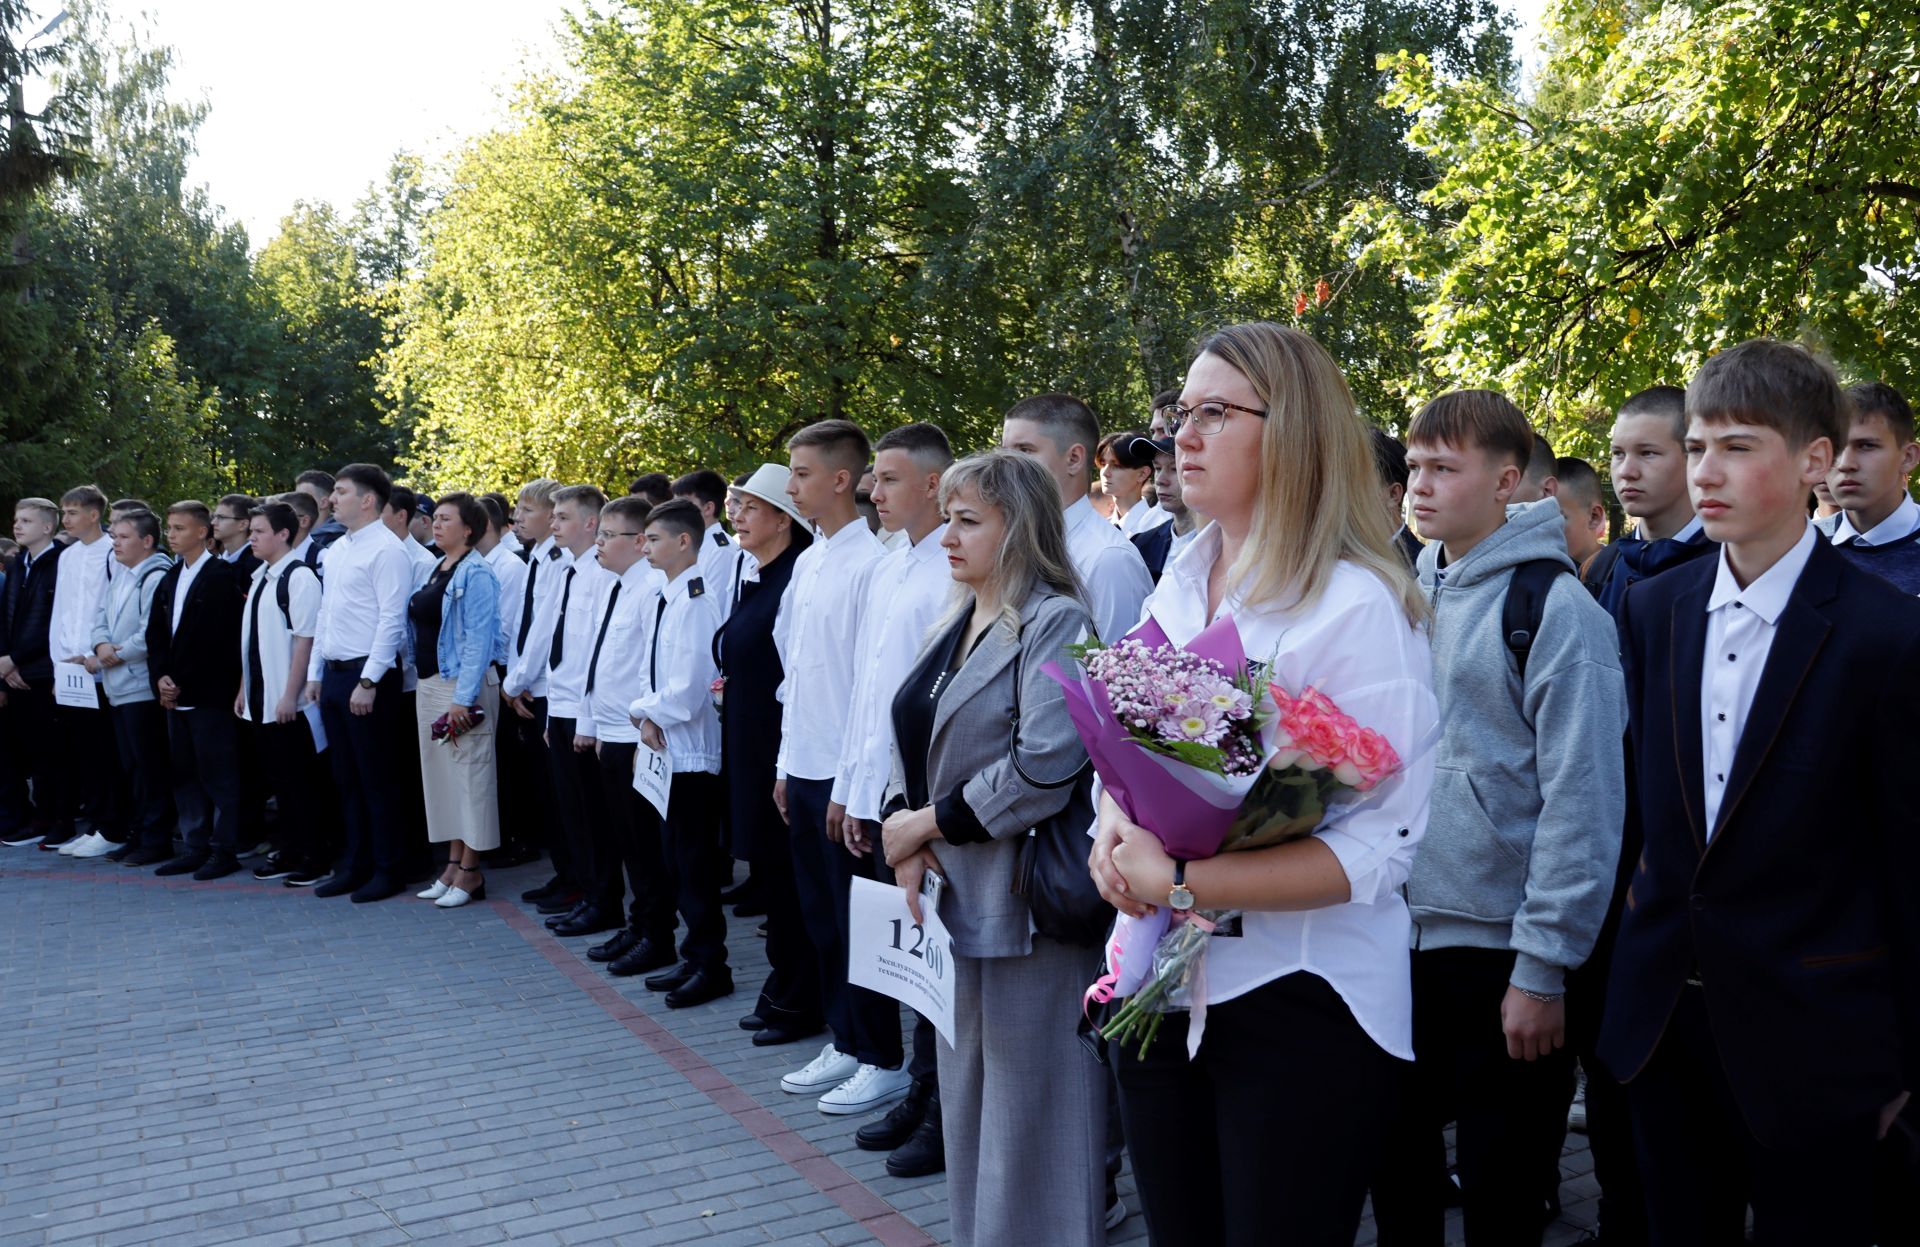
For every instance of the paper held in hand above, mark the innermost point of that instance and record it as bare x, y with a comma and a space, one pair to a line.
653, 775
890, 953
73, 686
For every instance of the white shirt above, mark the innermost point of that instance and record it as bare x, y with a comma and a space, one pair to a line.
1740, 628
1896, 527
363, 611
527, 668
1180, 542
424, 560
1356, 646
511, 572
677, 672
567, 680
620, 676
299, 551
276, 638
1140, 517
1111, 571
718, 554
84, 572
188, 571
904, 593
511, 541
819, 622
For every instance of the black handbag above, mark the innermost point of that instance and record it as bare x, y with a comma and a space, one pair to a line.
1050, 871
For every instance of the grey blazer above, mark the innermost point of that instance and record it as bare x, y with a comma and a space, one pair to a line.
972, 738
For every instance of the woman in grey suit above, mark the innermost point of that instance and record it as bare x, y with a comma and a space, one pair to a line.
1023, 1103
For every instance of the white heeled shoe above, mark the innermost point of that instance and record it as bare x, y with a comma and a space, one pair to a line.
457, 897
433, 893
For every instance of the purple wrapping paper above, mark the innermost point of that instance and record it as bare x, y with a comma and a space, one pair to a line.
1189, 809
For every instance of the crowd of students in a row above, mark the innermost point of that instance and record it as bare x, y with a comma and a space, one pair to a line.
848, 683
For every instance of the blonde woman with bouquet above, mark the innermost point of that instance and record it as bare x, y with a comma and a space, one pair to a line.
1022, 1103
1257, 1116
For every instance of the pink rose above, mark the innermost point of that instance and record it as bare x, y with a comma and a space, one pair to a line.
1320, 737
1372, 756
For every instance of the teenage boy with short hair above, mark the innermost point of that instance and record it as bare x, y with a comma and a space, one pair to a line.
532, 799
91, 784
1512, 883
1764, 1005
1062, 432
817, 632
231, 535
1126, 475
26, 682
318, 486
1584, 509
1879, 523
674, 711
1161, 544
707, 490
1649, 474
120, 657
1390, 468
1537, 481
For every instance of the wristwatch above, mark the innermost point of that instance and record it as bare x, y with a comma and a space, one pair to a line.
1179, 898
365, 682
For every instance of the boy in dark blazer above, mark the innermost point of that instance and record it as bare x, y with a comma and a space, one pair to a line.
1764, 1004
193, 659
27, 741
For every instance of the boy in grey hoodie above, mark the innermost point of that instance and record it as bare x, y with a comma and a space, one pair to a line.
1511, 885
120, 656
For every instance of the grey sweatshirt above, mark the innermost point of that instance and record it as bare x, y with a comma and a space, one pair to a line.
1529, 789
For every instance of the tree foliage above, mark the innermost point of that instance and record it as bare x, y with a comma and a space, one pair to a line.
1684, 178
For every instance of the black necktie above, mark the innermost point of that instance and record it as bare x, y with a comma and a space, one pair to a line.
526, 608
593, 663
653, 659
256, 683
560, 624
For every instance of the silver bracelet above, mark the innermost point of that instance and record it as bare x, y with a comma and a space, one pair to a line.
1544, 998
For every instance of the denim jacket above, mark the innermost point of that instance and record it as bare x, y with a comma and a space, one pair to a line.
121, 621
469, 625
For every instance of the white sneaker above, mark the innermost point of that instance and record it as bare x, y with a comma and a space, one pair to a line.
868, 1089
76, 847
95, 845
825, 1072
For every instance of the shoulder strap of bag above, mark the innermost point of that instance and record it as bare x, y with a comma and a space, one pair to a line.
1525, 608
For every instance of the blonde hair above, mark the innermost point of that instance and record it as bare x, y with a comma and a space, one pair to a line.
1033, 551
1318, 500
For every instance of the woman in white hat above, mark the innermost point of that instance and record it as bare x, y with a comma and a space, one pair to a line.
771, 536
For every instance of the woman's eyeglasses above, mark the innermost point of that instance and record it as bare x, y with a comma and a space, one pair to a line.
1209, 417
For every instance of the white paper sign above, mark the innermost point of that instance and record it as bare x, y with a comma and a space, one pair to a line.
314, 725
73, 686
653, 775
890, 953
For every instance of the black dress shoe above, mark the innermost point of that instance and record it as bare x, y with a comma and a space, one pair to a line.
146, 856
672, 978
925, 1152
777, 1033
622, 940
589, 921
750, 908
701, 986
562, 904
899, 1124
648, 954
217, 866
568, 914
339, 885
185, 864
552, 887
753, 1022
378, 888
122, 852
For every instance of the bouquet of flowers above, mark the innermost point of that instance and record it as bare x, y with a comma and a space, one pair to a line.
443, 732
1197, 716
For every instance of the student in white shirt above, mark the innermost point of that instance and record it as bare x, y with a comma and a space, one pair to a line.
904, 593
305, 548
527, 785
92, 783
1879, 522
276, 647
1061, 431
674, 712
816, 633
707, 490
355, 673
1309, 1008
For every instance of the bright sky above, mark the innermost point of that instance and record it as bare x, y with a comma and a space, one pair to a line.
310, 101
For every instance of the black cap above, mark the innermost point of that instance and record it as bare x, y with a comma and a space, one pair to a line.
1152, 446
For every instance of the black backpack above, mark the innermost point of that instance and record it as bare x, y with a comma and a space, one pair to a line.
1526, 606
283, 593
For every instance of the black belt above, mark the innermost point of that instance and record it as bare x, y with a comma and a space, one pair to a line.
346, 664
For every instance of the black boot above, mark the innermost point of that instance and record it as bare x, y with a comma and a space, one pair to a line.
925, 1152
899, 1124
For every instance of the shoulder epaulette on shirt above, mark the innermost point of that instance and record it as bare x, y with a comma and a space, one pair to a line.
553, 553
696, 587
719, 538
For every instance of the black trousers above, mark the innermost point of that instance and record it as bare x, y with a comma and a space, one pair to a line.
1623, 1208
140, 740
1502, 1110
94, 784
369, 755
33, 751
691, 844
791, 995
202, 744
292, 773
1271, 1132
864, 1023
526, 780
579, 799
1703, 1168
634, 830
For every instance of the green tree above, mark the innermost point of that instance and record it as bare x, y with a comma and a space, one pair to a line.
1685, 178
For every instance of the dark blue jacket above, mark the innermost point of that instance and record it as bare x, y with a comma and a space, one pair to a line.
26, 613
1154, 546
1801, 916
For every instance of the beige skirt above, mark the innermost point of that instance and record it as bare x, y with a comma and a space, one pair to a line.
459, 776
